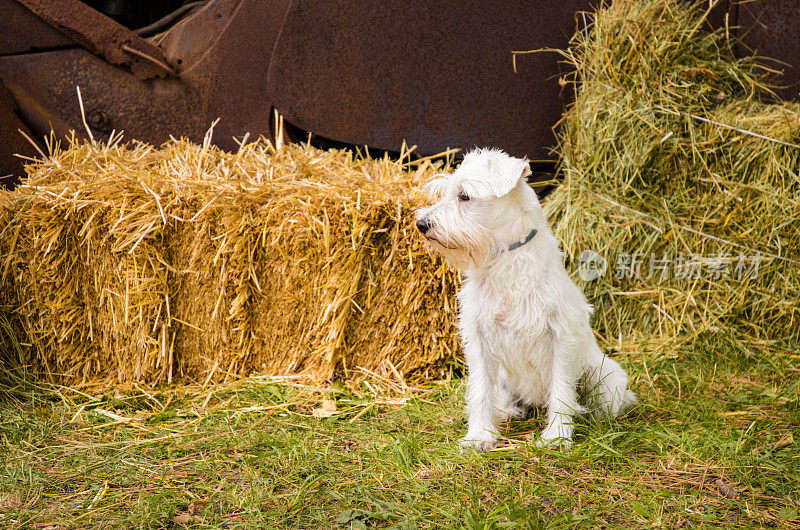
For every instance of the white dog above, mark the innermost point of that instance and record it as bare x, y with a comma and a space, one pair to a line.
524, 324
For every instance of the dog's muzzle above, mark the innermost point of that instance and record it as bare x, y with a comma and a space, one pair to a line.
423, 226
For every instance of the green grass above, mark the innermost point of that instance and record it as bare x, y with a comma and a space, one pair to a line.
713, 442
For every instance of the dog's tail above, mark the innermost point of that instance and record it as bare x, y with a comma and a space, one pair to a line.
607, 383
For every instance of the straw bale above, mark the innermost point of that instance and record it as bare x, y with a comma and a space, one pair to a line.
129, 262
677, 151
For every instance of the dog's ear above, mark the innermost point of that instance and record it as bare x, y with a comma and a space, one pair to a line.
505, 172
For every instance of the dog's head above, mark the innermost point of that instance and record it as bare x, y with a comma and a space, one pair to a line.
483, 206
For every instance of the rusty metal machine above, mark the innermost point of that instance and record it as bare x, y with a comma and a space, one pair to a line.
352, 72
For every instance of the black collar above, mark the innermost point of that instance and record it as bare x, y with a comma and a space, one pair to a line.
518, 244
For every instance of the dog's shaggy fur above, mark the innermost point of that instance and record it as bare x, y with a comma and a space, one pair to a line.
524, 324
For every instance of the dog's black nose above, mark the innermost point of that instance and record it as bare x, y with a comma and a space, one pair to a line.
423, 225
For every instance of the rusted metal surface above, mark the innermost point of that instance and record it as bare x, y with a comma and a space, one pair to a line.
214, 80
353, 72
12, 142
771, 28
101, 35
23, 32
44, 84
223, 52
436, 74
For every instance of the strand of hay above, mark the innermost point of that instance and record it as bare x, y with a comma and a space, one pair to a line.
129, 262
673, 150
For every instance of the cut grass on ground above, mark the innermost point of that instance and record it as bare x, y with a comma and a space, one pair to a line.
713, 442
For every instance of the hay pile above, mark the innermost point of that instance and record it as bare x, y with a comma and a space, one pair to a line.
184, 262
128, 262
673, 151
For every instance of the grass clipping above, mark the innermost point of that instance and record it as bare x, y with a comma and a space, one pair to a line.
188, 263
683, 177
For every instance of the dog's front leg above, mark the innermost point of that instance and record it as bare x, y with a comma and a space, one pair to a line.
481, 418
562, 402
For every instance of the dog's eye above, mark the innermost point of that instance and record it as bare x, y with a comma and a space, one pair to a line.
463, 196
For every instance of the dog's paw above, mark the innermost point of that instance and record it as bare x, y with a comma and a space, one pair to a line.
481, 445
